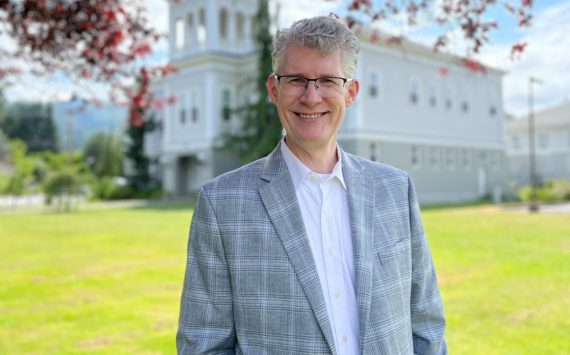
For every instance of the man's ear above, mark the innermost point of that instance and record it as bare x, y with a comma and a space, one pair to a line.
271, 85
353, 88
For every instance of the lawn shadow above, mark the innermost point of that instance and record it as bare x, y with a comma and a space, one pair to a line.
165, 205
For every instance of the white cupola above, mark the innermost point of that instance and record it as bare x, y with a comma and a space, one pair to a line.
200, 27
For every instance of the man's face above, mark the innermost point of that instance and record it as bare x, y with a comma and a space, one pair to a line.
310, 120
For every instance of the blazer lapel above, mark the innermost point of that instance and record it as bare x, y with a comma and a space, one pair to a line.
280, 201
360, 192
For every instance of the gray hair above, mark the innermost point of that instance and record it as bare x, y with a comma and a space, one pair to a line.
323, 33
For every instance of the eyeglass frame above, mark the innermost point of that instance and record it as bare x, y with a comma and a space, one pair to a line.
344, 80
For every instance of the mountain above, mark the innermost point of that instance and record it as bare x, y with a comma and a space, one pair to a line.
87, 119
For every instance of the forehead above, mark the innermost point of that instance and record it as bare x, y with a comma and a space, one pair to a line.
310, 62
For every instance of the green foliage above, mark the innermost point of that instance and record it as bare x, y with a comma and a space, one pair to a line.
33, 124
106, 188
61, 189
261, 129
551, 191
139, 178
4, 179
21, 176
104, 154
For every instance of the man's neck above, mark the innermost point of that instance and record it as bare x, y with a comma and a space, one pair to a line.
320, 160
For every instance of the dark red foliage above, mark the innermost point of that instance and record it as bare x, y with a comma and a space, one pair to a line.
469, 16
517, 49
95, 39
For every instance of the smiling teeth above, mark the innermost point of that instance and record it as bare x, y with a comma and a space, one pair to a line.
313, 115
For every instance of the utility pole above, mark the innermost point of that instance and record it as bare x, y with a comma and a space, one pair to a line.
69, 128
533, 205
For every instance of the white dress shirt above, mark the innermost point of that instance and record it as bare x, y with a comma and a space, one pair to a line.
324, 207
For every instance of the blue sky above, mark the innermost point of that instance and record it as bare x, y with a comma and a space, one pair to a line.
546, 56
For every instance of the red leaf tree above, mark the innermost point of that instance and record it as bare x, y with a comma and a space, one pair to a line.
471, 18
101, 40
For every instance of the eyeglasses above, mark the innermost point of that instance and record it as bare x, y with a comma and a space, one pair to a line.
327, 86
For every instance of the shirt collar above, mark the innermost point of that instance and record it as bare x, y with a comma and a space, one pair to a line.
299, 171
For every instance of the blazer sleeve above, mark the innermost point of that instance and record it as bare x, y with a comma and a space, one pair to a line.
427, 315
206, 324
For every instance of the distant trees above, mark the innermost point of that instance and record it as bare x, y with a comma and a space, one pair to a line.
33, 124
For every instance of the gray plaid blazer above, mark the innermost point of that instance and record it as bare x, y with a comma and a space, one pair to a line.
252, 287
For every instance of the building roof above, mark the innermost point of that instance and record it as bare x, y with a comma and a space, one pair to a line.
371, 36
553, 117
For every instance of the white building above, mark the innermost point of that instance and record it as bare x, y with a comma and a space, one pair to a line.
421, 111
552, 145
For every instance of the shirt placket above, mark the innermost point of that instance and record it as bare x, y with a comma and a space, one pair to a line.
333, 266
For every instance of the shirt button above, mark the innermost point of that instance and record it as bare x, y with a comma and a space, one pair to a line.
344, 339
332, 251
337, 294
313, 178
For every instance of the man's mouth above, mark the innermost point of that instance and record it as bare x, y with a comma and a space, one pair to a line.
310, 115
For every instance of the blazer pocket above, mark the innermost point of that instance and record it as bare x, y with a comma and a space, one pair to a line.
395, 268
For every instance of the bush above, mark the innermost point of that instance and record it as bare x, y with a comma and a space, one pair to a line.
62, 188
551, 191
108, 188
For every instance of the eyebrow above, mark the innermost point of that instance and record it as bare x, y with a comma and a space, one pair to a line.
320, 76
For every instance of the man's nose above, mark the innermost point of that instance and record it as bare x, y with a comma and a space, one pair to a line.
311, 93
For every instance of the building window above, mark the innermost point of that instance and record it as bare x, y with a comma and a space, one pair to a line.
464, 106
432, 95
373, 156
483, 158
543, 140
493, 111
414, 91
450, 158
495, 160
448, 99
434, 157
226, 103
374, 85
195, 104
190, 30
202, 27
223, 24
179, 33
240, 25
467, 160
515, 142
182, 116
416, 157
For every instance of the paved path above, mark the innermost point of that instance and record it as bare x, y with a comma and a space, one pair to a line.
544, 208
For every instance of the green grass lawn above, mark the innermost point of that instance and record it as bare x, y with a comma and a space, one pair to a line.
109, 281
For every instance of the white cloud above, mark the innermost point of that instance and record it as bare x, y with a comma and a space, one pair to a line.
291, 11
546, 58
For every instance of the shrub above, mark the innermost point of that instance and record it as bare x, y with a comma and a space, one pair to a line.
108, 188
62, 188
551, 191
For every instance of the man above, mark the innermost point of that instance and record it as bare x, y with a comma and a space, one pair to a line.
310, 250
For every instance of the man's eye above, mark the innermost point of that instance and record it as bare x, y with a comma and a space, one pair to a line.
297, 80
327, 81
